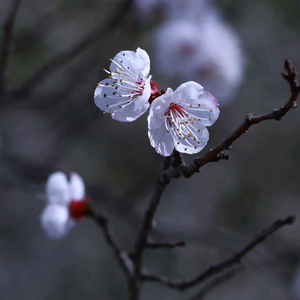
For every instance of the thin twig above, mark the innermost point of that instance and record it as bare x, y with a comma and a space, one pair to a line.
183, 284
169, 245
93, 37
221, 278
213, 154
8, 30
122, 256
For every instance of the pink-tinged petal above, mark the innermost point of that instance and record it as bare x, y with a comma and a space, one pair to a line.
77, 188
130, 112
158, 108
188, 92
208, 110
55, 221
194, 141
57, 188
134, 62
161, 140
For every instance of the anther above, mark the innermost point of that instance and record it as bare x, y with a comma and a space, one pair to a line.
210, 110
105, 95
107, 105
199, 104
209, 119
178, 143
195, 147
124, 54
107, 83
191, 105
198, 130
168, 131
116, 87
121, 61
120, 106
114, 93
189, 135
185, 149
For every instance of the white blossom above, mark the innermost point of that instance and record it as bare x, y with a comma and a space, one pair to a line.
66, 203
179, 119
126, 92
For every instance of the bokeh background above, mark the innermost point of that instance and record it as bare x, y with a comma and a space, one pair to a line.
236, 50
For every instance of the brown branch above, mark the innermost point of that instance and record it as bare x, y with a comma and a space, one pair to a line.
183, 284
121, 255
8, 30
93, 37
170, 245
221, 278
214, 154
141, 242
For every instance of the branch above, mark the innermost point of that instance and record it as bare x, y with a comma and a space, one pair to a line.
217, 281
8, 30
170, 245
214, 269
122, 256
141, 241
215, 153
63, 58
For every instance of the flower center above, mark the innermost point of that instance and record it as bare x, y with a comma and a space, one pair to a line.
174, 109
78, 209
138, 91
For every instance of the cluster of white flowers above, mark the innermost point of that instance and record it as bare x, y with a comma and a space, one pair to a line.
177, 119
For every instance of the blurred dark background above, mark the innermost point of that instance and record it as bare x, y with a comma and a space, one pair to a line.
49, 122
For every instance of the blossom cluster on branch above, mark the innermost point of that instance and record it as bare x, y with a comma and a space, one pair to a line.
177, 119
177, 124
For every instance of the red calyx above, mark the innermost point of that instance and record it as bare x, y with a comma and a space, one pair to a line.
79, 209
154, 91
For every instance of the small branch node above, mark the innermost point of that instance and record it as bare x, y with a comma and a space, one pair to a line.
277, 113
227, 145
222, 156
249, 118
177, 159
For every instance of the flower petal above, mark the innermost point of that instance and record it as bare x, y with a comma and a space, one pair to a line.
77, 188
104, 95
161, 140
193, 142
55, 221
208, 112
134, 62
188, 92
57, 188
136, 108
